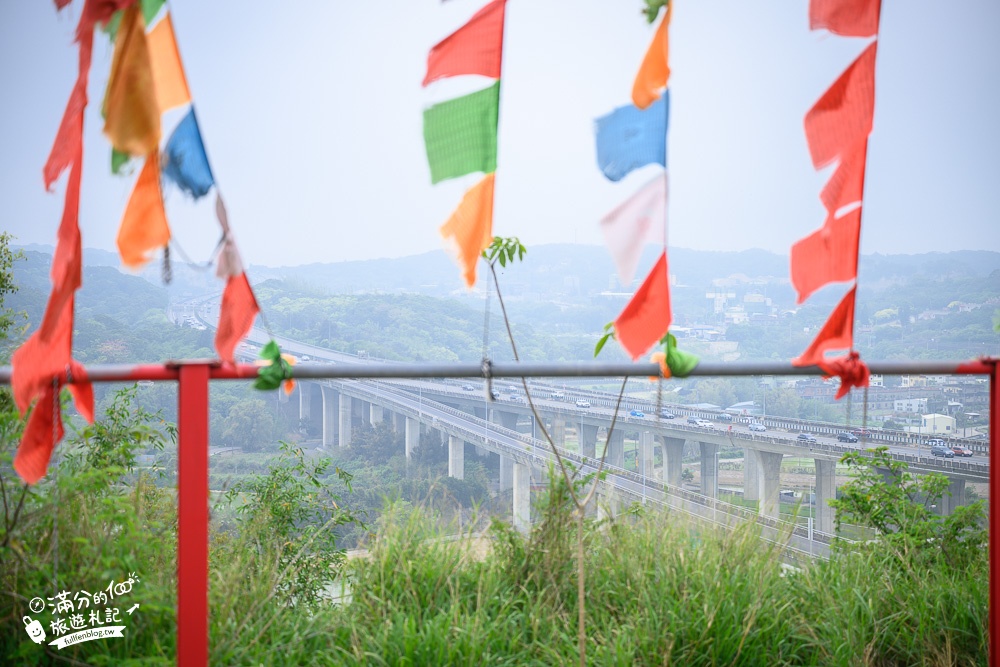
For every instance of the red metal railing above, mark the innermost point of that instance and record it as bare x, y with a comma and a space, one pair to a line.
193, 378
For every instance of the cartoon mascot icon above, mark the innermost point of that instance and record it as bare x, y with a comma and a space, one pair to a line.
34, 630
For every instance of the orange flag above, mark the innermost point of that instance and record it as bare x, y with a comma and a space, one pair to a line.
236, 315
470, 227
168, 73
655, 69
828, 255
842, 118
647, 316
847, 184
131, 113
849, 18
144, 225
836, 334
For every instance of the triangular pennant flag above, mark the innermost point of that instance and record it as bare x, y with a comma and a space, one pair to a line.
461, 134
165, 60
655, 69
638, 220
849, 18
236, 316
131, 115
144, 225
184, 159
629, 138
828, 255
475, 48
836, 334
42, 357
67, 260
847, 184
842, 118
470, 227
647, 316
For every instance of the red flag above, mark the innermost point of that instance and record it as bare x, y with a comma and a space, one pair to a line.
828, 255
236, 316
475, 48
842, 118
647, 316
836, 334
850, 369
849, 18
847, 184
654, 72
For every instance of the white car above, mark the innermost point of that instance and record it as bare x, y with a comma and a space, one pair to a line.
756, 426
582, 404
704, 423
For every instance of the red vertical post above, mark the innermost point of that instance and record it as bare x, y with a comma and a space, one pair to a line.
994, 622
192, 516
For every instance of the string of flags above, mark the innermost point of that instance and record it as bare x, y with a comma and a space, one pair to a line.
146, 80
837, 129
633, 136
460, 134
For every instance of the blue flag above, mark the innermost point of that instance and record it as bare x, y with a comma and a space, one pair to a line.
629, 138
184, 159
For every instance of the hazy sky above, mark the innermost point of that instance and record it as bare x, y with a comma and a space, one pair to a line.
311, 114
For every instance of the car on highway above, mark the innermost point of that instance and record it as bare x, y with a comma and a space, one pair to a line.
936, 442
517, 398
693, 420
861, 432
495, 394
582, 403
941, 450
757, 426
704, 423
467, 387
806, 437
638, 414
667, 414
558, 394
844, 436
962, 451
725, 417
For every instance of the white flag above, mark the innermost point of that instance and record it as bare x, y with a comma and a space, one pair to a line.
640, 219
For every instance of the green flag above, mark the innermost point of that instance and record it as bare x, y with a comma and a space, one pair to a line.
461, 134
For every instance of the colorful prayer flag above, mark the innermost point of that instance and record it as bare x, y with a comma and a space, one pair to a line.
629, 138
836, 334
842, 118
131, 114
470, 227
849, 18
828, 255
236, 315
647, 316
638, 220
654, 72
144, 224
184, 159
475, 48
165, 59
847, 184
461, 134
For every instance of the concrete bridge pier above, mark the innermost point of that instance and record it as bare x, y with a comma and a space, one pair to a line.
673, 452
456, 457
644, 458
412, 438
398, 422
751, 474
826, 490
506, 472
305, 400
506, 419
558, 432
948, 504
522, 497
346, 419
330, 415
770, 476
588, 440
709, 469
375, 414
616, 448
